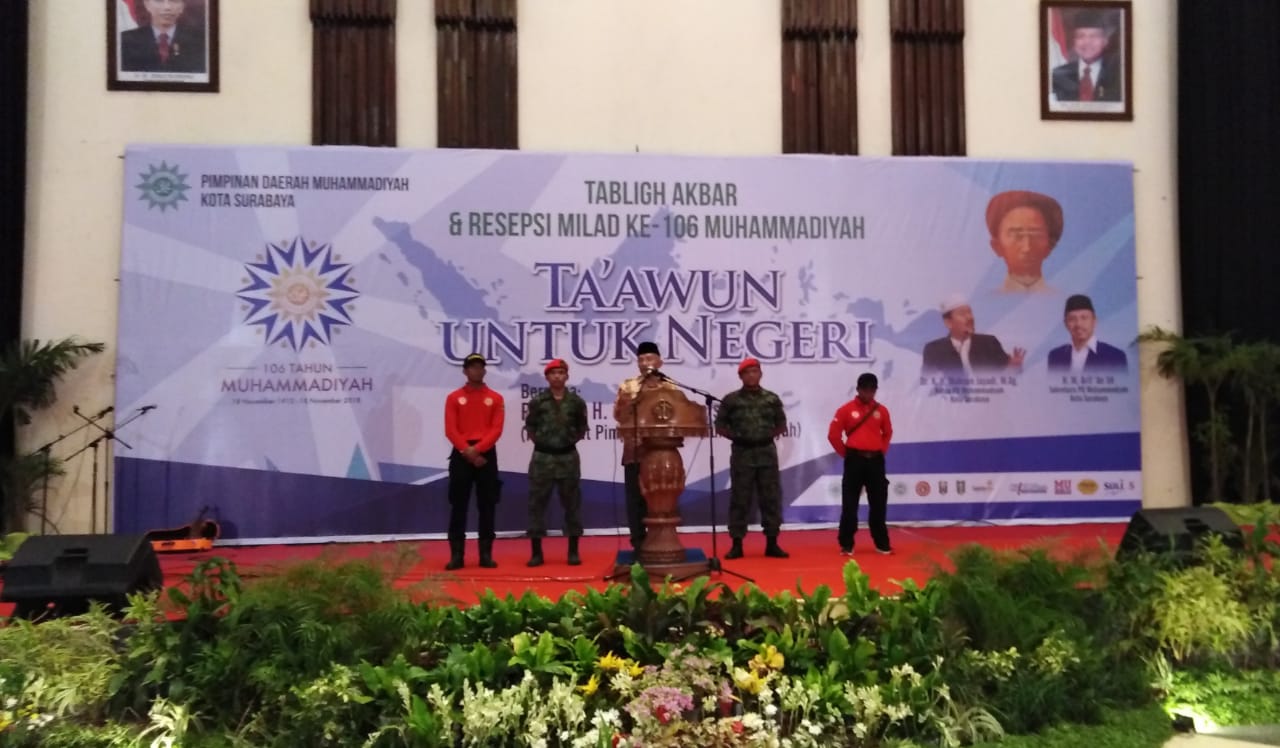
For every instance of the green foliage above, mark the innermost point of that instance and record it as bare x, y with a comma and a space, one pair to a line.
1041, 649
1148, 727
1222, 610
1250, 697
1195, 611
61, 668
9, 544
29, 373
1251, 515
30, 370
330, 653
242, 646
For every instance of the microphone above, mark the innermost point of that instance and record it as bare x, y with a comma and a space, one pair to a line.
650, 371
145, 408
105, 411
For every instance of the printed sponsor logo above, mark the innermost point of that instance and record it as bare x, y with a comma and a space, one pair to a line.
1023, 487
900, 489
960, 488
942, 488
1062, 487
1088, 487
922, 488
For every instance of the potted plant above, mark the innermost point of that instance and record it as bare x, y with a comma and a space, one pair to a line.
29, 373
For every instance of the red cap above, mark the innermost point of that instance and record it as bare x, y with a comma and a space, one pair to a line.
747, 363
555, 363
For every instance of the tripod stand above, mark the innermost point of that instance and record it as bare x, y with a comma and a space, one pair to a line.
713, 561
109, 435
45, 451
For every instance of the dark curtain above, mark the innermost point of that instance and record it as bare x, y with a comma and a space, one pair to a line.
13, 181
1228, 178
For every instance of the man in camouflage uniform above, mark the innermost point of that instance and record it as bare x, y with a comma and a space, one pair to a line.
752, 418
556, 422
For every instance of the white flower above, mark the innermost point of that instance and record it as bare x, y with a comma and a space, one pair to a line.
815, 729
898, 712
770, 710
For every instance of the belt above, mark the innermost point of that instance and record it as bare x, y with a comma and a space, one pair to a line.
863, 453
752, 442
560, 451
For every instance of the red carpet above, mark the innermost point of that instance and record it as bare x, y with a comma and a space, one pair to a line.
815, 558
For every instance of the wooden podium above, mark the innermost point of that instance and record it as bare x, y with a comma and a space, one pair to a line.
657, 422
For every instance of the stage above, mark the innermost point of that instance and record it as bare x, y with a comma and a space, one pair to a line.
815, 559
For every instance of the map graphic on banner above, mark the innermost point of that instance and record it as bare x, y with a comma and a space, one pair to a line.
298, 315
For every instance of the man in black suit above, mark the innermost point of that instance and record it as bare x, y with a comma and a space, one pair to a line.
1092, 75
1085, 353
964, 352
163, 46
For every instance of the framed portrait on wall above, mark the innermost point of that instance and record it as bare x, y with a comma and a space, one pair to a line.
1086, 60
162, 45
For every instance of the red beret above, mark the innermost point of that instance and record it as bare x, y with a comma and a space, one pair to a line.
747, 363
1001, 204
555, 363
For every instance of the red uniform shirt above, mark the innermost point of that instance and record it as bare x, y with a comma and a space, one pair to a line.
473, 414
871, 436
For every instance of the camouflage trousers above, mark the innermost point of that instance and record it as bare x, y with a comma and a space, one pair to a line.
564, 474
754, 478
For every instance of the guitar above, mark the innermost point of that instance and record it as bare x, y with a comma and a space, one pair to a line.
197, 535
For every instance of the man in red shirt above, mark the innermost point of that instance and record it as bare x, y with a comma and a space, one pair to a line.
860, 433
473, 417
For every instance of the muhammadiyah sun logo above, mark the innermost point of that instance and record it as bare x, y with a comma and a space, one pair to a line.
298, 293
163, 186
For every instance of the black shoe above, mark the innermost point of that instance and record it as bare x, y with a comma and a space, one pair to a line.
846, 550
535, 557
886, 551
773, 550
736, 550
574, 560
456, 550
486, 555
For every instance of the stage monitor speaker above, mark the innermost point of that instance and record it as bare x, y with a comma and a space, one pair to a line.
1177, 532
59, 575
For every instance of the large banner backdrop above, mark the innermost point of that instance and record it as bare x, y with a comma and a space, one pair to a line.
298, 315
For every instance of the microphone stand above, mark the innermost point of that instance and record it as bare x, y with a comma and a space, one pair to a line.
713, 563
110, 462
45, 451
108, 434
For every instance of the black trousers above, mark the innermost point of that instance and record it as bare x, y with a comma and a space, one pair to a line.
462, 476
864, 471
637, 507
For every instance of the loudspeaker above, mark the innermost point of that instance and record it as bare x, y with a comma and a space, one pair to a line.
1177, 532
58, 575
